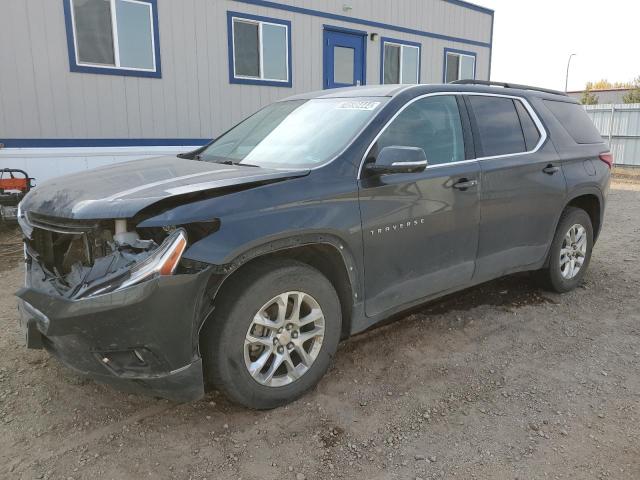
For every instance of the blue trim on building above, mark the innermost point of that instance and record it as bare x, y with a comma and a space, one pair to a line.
327, 69
384, 40
361, 21
462, 52
471, 6
353, 31
256, 81
71, 48
101, 142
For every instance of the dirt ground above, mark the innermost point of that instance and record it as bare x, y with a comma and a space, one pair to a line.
502, 381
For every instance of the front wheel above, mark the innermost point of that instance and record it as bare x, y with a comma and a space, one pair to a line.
273, 334
570, 251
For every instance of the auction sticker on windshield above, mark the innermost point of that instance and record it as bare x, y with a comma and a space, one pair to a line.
357, 105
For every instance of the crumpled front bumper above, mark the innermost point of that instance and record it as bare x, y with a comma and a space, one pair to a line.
143, 338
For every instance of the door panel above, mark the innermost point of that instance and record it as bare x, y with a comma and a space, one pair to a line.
420, 234
522, 186
344, 59
519, 207
420, 229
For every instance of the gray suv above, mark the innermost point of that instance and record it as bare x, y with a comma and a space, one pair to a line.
242, 264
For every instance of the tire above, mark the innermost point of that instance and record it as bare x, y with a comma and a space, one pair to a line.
225, 353
557, 276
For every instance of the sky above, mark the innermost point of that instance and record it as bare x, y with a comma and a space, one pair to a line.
533, 39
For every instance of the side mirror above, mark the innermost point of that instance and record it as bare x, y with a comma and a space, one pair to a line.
396, 159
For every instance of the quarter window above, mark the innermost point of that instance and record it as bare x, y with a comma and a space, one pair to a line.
531, 132
431, 123
575, 121
400, 62
260, 50
459, 65
498, 125
113, 36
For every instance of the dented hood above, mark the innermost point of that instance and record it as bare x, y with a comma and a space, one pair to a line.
122, 190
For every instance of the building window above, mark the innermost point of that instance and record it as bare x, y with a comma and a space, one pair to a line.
259, 50
459, 65
400, 61
114, 37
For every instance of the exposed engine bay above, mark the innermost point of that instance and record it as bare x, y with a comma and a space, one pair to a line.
76, 259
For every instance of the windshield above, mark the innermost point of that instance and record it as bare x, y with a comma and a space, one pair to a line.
295, 133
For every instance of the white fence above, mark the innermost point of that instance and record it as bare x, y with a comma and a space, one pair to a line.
619, 125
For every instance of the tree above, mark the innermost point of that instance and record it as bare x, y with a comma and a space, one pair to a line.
633, 95
603, 84
588, 98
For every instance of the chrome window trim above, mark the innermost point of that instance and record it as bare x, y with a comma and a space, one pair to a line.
409, 164
525, 102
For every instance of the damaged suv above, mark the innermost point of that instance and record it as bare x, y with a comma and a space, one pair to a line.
242, 264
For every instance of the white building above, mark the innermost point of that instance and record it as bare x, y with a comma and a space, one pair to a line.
89, 82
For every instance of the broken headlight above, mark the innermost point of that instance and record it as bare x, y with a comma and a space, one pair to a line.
162, 261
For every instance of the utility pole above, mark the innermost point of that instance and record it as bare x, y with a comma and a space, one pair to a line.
566, 79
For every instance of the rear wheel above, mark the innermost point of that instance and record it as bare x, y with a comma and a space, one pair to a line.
570, 251
273, 333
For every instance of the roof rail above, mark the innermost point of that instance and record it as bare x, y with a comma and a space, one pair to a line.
507, 85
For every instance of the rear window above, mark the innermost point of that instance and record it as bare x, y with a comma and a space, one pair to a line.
575, 121
498, 125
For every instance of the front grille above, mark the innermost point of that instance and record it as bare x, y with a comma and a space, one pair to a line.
61, 225
59, 243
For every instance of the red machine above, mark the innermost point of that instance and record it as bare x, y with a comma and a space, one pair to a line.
12, 189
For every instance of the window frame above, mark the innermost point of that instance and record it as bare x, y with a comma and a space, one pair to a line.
534, 115
459, 53
75, 65
384, 41
260, 21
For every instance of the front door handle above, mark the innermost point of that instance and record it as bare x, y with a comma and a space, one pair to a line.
464, 184
550, 169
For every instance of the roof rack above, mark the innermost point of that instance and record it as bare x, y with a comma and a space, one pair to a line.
507, 85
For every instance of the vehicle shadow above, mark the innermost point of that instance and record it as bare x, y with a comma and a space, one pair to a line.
507, 294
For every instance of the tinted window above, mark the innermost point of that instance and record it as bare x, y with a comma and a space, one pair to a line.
432, 124
498, 125
575, 121
531, 133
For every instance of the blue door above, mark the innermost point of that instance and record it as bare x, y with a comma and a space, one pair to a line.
344, 58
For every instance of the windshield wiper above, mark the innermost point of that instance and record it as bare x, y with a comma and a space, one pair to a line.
223, 161
231, 162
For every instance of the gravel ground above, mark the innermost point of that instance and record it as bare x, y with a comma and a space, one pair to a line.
501, 381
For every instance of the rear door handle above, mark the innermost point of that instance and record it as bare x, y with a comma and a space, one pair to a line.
464, 184
550, 169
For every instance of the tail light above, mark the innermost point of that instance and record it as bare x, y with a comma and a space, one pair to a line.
607, 158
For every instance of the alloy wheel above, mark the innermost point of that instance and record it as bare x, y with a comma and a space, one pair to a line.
284, 339
573, 251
